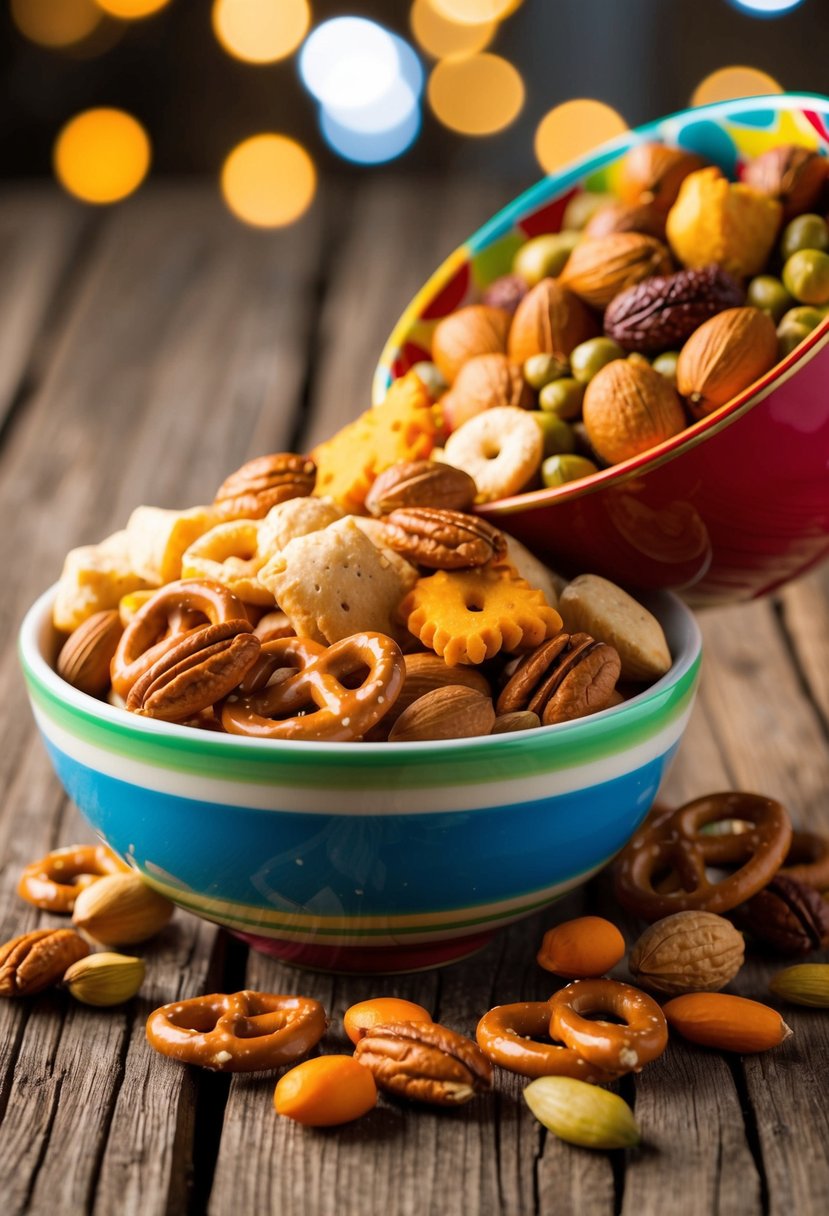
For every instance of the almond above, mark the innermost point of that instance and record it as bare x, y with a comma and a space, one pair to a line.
451, 712
483, 382
653, 174
629, 408
88, 651
120, 910
728, 1023
550, 320
598, 269
474, 330
421, 483
724, 356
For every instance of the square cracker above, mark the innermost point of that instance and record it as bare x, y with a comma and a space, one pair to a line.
335, 582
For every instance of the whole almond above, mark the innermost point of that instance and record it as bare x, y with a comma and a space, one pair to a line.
687, 952
482, 383
598, 607
550, 320
120, 910
87, 653
421, 483
628, 409
474, 330
724, 356
653, 174
34, 961
725, 1022
599, 268
452, 712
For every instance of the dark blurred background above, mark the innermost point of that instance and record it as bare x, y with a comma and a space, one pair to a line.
196, 101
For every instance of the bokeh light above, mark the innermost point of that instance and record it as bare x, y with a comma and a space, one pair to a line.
260, 31
438, 36
766, 8
268, 181
473, 12
349, 62
55, 23
476, 94
371, 147
102, 155
131, 10
573, 128
730, 82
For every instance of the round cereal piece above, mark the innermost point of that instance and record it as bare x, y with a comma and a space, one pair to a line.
230, 553
501, 449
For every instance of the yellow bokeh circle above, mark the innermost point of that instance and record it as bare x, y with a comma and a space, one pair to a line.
473, 12
438, 36
55, 23
737, 81
260, 31
268, 181
131, 10
476, 94
102, 155
574, 128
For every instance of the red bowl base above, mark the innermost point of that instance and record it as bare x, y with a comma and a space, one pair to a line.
378, 960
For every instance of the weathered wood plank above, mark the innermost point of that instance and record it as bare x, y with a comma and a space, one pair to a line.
805, 615
183, 353
40, 235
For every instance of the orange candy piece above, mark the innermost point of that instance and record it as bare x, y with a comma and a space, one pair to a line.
582, 948
402, 428
325, 1091
467, 616
380, 1011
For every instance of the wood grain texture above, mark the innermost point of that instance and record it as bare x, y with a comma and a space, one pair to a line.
154, 349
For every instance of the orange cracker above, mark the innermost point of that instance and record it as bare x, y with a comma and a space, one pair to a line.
467, 616
402, 428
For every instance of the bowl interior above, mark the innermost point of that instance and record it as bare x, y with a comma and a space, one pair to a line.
39, 644
727, 134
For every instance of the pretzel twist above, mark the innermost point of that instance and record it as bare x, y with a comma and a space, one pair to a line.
175, 609
616, 1049
663, 868
241, 1032
55, 881
297, 689
509, 1034
808, 860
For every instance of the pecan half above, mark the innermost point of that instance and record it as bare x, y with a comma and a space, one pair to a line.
425, 1062
194, 671
787, 915
567, 677
421, 483
35, 960
442, 540
264, 482
88, 651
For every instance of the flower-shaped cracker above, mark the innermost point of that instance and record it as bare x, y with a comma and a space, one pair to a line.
467, 616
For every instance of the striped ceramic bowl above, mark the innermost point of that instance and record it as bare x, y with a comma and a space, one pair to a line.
369, 857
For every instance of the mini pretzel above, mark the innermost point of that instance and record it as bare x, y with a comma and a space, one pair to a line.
616, 1049
230, 553
808, 860
500, 449
56, 880
673, 846
508, 1035
314, 682
176, 608
243, 1032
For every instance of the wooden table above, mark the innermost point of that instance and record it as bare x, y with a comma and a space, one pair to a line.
144, 353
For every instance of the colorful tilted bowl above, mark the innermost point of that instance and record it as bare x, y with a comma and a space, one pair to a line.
735, 505
365, 856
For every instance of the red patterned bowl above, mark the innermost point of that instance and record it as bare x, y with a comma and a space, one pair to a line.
735, 505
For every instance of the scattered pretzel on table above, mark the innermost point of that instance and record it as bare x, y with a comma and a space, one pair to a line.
509, 1034
311, 675
55, 881
663, 868
808, 860
616, 1049
173, 609
240, 1032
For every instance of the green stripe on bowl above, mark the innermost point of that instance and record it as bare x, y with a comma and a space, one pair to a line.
370, 766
